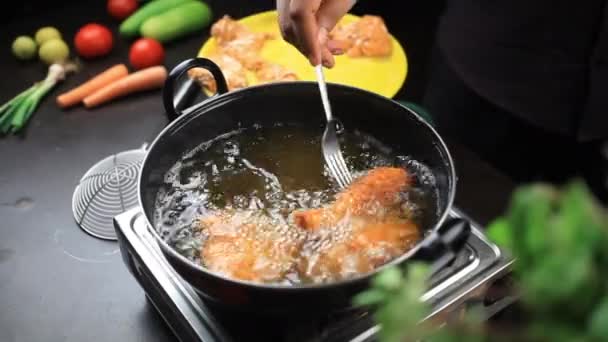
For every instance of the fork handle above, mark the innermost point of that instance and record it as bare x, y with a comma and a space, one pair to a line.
323, 90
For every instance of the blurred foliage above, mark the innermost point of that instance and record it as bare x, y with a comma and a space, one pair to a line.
559, 238
393, 291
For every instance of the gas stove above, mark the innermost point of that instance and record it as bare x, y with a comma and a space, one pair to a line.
467, 283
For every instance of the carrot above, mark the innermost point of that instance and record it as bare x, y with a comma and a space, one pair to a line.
77, 94
145, 79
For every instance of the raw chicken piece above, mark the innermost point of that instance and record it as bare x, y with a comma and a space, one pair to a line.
366, 37
236, 40
244, 50
238, 50
272, 72
363, 229
227, 29
233, 71
249, 246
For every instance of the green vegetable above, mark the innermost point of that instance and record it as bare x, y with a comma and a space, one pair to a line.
15, 113
24, 47
47, 33
559, 237
396, 298
130, 26
391, 292
500, 233
53, 51
182, 20
598, 324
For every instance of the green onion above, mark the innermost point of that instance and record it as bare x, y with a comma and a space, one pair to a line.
15, 113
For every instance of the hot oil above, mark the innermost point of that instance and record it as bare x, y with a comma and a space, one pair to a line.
269, 172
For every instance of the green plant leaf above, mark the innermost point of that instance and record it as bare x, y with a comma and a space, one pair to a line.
389, 279
529, 215
500, 232
543, 329
598, 323
561, 281
396, 295
559, 235
370, 297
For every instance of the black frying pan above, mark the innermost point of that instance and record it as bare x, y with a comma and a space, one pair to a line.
297, 102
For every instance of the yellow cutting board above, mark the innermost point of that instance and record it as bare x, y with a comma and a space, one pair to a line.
381, 75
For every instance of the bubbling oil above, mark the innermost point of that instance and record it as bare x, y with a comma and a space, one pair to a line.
272, 171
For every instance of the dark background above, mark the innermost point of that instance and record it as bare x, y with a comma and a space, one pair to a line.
412, 22
58, 283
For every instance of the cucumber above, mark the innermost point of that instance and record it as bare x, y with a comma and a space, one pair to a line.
130, 26
182, 20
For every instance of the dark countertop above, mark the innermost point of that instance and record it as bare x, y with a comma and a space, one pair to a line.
58, 283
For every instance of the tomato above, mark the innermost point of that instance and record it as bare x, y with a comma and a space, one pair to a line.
146, 52
93, 40
121, 9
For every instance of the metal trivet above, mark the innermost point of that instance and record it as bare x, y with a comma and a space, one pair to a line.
107, 189
467, 283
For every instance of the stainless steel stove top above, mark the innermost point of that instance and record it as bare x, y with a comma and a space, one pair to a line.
462, 285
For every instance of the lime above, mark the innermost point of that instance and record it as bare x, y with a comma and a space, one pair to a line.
54, 50
24, 47
47, 33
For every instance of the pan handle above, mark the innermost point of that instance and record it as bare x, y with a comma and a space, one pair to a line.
442, 246
174, 103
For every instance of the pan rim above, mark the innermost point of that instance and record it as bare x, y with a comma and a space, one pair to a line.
210, 103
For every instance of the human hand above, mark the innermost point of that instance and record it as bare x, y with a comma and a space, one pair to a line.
306, 24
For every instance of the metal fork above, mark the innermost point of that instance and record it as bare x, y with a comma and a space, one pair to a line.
329, 144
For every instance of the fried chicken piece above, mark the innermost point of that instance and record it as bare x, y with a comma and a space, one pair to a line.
366, 37
374, 194
249, 246
361, 230
359, 246
236, 40
233, 70
272, 72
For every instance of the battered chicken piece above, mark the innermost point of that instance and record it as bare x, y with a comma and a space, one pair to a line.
357, 247
249, 246
375, 194
366, 37
233, 71
363, 229
272, 72
236, 40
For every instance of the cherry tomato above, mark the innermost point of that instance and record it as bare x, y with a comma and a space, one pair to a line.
121, 9
93, 40
146, 52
